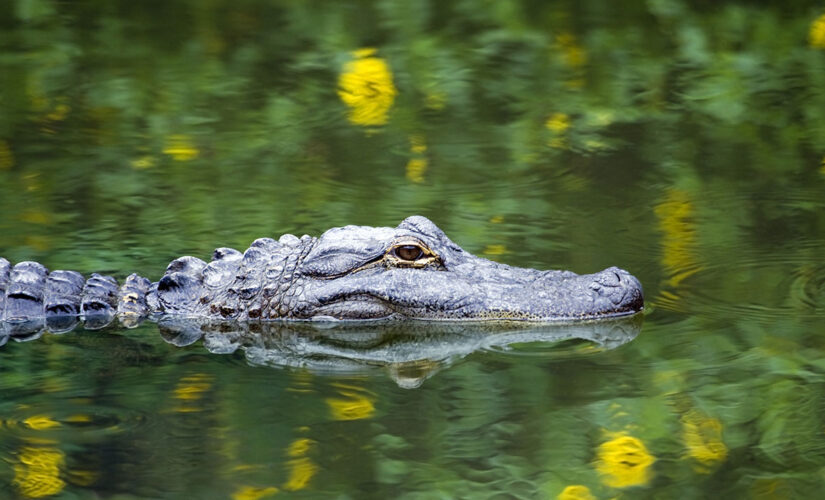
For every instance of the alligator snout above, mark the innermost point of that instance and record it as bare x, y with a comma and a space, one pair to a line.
621, 288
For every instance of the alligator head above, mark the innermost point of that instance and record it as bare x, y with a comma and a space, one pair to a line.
415, 271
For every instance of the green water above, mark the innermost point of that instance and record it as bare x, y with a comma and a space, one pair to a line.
684, 143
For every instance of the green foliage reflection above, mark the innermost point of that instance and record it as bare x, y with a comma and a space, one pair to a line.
681, 140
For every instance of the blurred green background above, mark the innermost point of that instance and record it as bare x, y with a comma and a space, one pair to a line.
683, 141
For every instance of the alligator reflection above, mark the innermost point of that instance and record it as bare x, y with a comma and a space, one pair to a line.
410, 352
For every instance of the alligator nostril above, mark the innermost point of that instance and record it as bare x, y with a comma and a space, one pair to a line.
609, 278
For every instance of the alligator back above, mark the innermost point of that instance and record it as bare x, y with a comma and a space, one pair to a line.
30, 293
255, 284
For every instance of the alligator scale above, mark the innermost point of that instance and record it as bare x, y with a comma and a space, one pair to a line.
413, 271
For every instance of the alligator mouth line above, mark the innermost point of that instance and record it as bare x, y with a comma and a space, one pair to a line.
533, 318
393, 309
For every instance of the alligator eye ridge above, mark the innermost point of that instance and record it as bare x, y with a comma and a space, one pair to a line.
408, 252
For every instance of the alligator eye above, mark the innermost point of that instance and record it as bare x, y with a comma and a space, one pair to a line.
408, 252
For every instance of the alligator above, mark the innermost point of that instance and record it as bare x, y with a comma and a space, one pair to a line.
412, 271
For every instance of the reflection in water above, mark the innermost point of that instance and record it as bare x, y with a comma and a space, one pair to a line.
189, 392
39, 464
816, 36
354, 403
409, 352
201, 409
417, 164
40, 422
37, 471
576, 492
663, 136
366, 86
557, 124
679, 257
300, 467
624, 461
498, 415
344, 353
765, 286
253, 493
180, 147
703, 438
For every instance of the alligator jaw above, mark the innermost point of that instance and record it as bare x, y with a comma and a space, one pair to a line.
473, 295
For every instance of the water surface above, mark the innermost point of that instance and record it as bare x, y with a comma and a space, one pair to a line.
682, 143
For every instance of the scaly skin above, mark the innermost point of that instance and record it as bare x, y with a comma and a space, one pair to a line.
412, 271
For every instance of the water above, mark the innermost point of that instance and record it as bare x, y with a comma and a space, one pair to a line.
681, 143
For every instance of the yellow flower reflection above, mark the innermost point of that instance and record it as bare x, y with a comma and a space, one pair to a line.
180, 148
301, 471
300, 447
624, 461
192, 387
190, 391
144, 162
416, 168
417, 165
356, 403
41, 422
253, 493
37, 473
59, 113
366, 86
675, 215
573, 54
576, 492
418, 144
354, 407
301, 468
558, 122
703, 438
435, 101
495, 249
816, 36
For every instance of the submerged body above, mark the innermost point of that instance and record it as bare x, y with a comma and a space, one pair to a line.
412, 271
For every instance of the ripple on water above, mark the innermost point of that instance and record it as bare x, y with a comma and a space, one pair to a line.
764, 285
733, 253
77, 416
566, 341
47, 443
